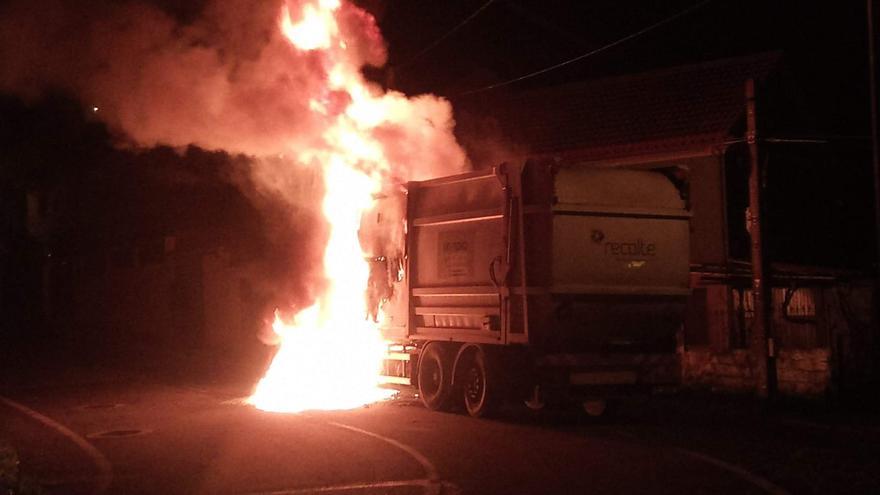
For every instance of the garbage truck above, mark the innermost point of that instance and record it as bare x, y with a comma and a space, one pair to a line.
535, 282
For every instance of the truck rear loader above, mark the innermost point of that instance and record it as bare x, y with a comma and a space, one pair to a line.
535, 282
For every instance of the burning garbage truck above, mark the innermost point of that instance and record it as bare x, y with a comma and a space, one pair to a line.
531, 282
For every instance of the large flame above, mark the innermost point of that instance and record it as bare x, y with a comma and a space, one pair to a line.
330, 354
220, 83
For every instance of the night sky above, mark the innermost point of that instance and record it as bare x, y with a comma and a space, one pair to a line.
824, 43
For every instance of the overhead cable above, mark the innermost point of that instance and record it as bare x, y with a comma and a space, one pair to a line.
594, 51
448, 34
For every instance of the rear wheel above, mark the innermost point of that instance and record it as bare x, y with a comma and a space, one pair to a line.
478, 384
599, 409
435, 384
535, 402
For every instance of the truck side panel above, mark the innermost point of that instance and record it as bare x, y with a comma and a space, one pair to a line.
456, 231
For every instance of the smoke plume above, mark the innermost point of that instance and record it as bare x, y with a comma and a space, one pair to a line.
227, 80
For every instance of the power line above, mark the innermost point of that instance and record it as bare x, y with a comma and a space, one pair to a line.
592, 52
448, 34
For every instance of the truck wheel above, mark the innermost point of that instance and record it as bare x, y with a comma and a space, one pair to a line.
535, 402
477, 385
435, 384
596, 408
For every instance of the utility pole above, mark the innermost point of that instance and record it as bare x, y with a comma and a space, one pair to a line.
875, 145
761, 345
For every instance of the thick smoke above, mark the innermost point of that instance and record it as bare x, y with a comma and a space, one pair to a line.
227, 80
224, 79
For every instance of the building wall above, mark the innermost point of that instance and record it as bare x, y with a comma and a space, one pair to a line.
177, 299
804, 372
729, 371
708, 236
800, 372
816, 342
123, 299
226, 321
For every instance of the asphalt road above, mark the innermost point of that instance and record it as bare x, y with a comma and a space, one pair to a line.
148, 435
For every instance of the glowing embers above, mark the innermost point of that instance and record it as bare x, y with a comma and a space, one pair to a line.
321, 367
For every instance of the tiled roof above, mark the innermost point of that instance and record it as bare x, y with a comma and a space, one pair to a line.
683, 108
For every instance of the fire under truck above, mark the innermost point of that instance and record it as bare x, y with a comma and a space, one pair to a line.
537, 282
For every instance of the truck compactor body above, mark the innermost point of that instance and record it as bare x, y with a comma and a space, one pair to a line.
530, 282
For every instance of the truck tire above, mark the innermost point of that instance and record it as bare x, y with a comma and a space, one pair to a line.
477, 384
435, 377
599, 409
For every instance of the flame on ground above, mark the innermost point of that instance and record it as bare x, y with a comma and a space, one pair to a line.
330, 355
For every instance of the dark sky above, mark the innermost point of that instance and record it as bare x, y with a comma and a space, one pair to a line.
824, 43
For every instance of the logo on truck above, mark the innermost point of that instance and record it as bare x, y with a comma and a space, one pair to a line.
456, 254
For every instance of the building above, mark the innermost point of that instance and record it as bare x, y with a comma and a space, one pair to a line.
104, 248
691, 120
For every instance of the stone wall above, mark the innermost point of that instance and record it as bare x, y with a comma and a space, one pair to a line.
725, 372
800, 372
824, 343
803, 372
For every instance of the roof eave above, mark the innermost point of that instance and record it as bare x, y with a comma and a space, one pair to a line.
640, 153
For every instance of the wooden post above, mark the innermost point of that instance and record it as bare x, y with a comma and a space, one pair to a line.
761, 345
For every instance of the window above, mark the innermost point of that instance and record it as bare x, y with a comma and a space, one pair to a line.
743, 315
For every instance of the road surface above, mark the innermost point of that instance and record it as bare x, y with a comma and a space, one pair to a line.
149, 435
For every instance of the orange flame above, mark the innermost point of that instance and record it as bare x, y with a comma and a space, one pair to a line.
330, 354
